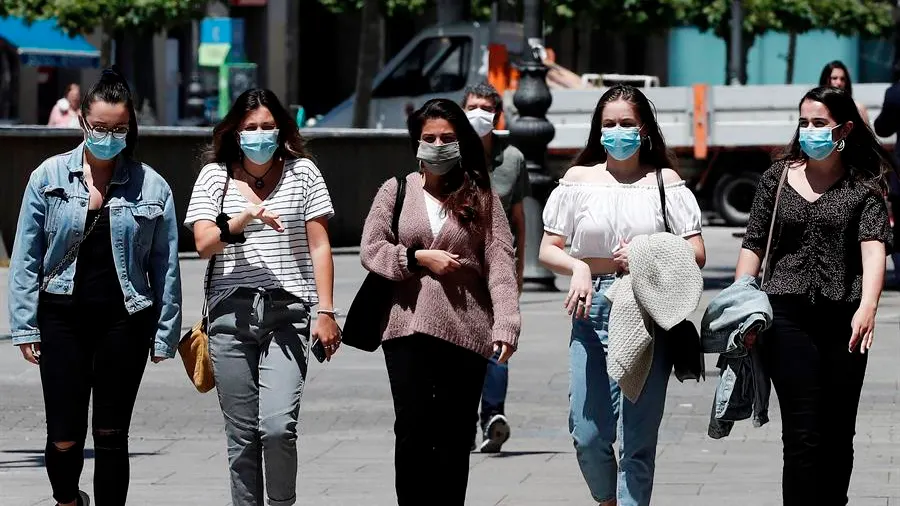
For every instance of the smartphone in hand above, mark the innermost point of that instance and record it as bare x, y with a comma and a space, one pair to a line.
318, 351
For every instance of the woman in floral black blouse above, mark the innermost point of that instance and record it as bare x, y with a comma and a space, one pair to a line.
828, 260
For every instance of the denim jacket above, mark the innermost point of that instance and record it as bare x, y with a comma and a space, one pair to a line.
144, 232
744, 387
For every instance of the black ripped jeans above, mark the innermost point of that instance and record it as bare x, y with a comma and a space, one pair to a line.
85, 349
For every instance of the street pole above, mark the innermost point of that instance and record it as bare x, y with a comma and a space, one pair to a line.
737, 52
531, 133
194, 105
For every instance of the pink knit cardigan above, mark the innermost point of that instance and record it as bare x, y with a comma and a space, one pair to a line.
472, 307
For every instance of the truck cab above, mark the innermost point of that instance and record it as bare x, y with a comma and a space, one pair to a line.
438, 63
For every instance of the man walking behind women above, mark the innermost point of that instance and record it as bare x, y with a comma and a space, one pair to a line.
509, 179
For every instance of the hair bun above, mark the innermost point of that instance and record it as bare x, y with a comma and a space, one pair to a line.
113, 75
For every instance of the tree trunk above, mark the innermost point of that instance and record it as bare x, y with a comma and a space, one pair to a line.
367, 61
746, 44
791, 56
452, 11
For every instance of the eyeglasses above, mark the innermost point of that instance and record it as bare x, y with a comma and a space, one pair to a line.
99, 132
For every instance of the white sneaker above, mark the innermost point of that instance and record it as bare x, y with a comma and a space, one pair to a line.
495, 434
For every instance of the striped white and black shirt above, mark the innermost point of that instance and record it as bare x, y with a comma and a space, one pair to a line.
268, 259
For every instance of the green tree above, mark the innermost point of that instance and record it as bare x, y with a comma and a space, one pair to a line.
867, 18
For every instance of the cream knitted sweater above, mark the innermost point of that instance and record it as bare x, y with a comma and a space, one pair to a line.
664, 287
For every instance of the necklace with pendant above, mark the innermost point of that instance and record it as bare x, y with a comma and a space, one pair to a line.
259, 182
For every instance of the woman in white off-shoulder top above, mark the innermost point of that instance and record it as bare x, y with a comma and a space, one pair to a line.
601, 204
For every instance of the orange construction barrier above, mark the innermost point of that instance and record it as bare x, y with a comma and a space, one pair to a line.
701, 127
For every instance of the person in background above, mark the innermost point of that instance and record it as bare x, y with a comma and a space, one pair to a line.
836, 75
67, 110
887, 124
455, 300
826, 275
95, 290
261, 206
509, 179
610, 196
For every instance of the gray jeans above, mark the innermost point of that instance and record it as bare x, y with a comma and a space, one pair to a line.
259, 344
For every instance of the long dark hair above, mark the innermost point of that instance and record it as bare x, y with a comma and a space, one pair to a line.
653, 146
468, 184
863, 156
825, 76
226, 148
112, 88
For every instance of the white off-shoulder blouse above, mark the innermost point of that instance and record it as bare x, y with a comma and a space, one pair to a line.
596, 217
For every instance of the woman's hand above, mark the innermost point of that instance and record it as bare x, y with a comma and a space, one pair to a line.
620, 257
863, 325
328, 332
254, 212
505, 351
31, 352
438, 261
581, 290
157, 360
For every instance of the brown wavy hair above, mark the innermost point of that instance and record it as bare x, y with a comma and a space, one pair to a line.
467, 186
226, 148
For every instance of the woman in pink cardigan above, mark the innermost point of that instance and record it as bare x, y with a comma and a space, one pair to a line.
455, 300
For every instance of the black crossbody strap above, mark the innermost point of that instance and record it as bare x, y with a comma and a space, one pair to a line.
212, 259
662, 199
398, 206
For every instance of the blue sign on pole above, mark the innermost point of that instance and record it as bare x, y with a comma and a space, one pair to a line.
225, 31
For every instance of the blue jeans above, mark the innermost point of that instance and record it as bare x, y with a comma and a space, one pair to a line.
493, 394
599, 415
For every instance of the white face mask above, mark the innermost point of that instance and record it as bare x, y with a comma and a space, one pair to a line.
482, 121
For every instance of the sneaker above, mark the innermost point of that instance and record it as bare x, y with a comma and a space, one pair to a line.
495, 434
83, 499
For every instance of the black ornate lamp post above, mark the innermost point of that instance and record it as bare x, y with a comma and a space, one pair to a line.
195, 103
531, 133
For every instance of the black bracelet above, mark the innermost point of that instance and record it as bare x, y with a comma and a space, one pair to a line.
225, 234
412, 263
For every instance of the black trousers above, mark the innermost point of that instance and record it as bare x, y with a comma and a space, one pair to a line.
818, 383
436, 386
84, 350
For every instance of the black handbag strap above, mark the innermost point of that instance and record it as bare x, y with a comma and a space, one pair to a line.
212, 259
662, 199
398, 206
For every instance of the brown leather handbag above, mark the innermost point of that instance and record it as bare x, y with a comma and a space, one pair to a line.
194, 345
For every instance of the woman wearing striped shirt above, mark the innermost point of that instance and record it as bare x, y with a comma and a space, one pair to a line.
262, 208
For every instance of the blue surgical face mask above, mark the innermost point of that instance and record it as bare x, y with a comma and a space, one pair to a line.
106, 148
259, 145
621, 142
817, 143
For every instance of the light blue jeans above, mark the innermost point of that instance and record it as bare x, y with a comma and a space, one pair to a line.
599, 415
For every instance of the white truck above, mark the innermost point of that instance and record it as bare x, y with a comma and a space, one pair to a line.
724, 136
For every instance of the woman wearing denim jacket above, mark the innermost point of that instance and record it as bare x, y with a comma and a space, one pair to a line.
95, 289
609, 196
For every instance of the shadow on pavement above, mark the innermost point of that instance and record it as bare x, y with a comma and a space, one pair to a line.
505, 454
35, 458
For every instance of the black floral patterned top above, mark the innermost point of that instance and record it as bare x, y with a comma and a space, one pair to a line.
816, 248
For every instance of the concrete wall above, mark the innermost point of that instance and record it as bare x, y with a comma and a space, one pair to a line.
353, 162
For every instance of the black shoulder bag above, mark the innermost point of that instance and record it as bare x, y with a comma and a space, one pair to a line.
682, 341
368, 314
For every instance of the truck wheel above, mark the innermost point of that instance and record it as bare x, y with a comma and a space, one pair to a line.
733, 196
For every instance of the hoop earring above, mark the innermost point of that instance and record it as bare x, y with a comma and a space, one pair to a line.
841, 145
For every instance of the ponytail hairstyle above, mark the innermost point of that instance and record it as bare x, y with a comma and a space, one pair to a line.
112, 88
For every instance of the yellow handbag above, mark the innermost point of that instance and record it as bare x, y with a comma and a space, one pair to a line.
194, 351
194, 344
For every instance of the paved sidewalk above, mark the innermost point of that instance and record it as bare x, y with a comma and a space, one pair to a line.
346, 446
